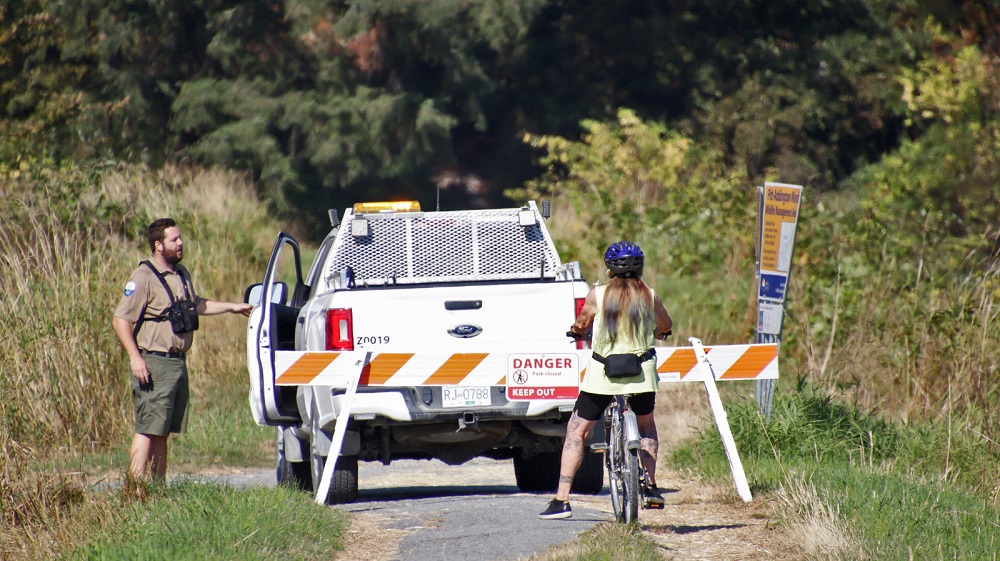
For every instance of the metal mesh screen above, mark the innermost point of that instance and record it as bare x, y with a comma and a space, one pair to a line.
427, 247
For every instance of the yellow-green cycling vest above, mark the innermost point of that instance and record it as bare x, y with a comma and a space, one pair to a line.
595, 381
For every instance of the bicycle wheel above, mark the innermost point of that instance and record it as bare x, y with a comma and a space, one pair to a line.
616, 465
630, 478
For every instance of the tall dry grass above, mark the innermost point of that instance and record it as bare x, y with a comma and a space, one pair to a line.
65, 263
924, 347
814, 523
68, 242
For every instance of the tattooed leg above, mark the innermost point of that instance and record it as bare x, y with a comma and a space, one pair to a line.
577, 432
650, 448
650, 445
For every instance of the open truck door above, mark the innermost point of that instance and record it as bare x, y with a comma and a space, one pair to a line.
272, 328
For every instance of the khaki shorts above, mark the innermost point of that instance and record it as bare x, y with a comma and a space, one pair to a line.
161, 406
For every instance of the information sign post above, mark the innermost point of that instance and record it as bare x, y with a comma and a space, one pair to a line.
777, 218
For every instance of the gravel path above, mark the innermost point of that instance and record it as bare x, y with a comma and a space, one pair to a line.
414, 510
472, 512
417, 510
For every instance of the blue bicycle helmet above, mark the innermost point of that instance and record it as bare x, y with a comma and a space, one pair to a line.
624, 259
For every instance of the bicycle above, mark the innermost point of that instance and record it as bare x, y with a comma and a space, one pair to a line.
622, 450
622, 455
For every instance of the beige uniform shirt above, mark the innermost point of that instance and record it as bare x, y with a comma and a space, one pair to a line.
143, 288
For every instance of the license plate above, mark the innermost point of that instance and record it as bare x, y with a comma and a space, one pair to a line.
465, 396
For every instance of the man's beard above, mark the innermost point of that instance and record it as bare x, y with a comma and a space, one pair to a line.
171, 256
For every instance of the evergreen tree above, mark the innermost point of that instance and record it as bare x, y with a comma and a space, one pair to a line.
44, 105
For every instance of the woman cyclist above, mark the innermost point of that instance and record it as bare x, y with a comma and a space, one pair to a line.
627, 317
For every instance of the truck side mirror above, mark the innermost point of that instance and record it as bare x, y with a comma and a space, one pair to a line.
279, 293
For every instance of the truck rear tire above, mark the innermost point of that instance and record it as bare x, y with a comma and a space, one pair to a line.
539, 473
295, 474
344, 486
589, 478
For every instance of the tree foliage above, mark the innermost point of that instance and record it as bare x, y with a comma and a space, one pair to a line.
43, 97
640, 181
332, 100
640, 119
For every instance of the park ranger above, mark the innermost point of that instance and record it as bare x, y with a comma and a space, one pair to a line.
155, 322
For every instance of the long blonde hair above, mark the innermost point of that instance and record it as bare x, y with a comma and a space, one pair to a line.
628, 308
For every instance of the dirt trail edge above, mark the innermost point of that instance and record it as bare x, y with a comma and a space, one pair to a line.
426, 510
701, 520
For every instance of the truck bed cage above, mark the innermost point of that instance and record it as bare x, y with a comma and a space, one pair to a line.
447, 246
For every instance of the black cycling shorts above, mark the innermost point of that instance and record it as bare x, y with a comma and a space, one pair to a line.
591, 406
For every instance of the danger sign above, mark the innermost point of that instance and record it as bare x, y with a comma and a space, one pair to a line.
543, 376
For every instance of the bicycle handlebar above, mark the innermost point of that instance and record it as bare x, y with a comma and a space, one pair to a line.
661, 336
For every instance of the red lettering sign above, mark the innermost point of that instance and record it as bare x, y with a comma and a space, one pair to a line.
556, 392
550, 363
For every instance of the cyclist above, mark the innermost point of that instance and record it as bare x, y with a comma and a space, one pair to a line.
626, 316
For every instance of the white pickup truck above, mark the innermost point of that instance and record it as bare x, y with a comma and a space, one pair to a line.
434, 297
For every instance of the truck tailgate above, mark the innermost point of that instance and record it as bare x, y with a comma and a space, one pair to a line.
455, 318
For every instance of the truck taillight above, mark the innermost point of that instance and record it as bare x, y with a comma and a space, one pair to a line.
339, 330
578, 304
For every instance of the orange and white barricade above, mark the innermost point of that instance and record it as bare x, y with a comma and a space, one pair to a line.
673, 364
526, 375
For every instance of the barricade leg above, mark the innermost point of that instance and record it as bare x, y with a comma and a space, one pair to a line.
722, 421
337, 442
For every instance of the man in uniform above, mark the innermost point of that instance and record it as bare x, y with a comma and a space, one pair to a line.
156, 328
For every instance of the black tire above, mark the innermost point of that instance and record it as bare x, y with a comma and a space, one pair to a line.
589, 478
297, 475
616, 470
344, 486
537, 474
631, 477
623, 470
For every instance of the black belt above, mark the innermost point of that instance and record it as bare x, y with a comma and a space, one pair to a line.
163, 354
642, 358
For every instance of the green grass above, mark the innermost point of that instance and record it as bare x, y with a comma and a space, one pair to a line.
223, 435
198, 521
221, 429
68, 239
714, 308
906, 517
219, 435
900, 491
605, 542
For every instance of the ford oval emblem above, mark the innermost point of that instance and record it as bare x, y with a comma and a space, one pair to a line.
465, 331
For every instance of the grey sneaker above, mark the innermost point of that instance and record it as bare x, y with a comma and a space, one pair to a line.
556, 509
